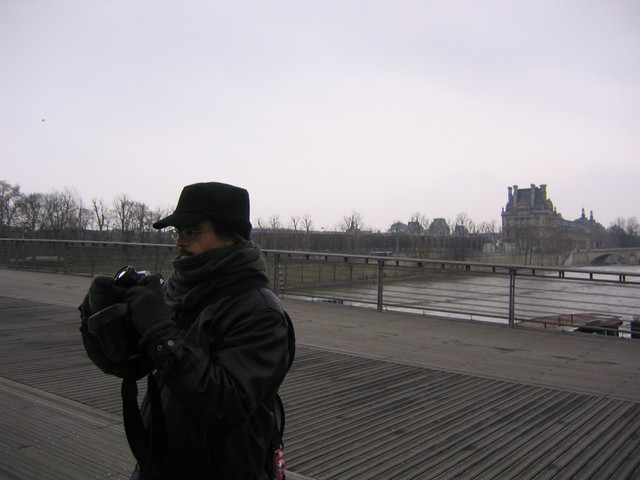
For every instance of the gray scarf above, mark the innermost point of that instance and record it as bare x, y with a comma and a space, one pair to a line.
201, 275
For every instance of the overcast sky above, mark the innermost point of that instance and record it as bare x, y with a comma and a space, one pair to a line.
386, 108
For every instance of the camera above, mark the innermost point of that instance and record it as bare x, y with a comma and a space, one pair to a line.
111, 325
128, 276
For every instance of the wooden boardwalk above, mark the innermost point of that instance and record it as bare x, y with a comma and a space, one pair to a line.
371, 396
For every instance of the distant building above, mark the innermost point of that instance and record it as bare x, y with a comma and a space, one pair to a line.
530, 222
439, 228
398, 227
414, 227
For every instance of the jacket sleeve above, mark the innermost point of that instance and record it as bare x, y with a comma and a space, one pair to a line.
223, 380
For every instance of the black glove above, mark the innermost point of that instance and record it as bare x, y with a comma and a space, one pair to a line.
148, 311
103, 293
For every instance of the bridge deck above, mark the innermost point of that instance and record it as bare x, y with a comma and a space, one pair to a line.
371, 395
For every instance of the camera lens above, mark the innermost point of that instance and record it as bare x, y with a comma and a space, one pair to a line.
126, 276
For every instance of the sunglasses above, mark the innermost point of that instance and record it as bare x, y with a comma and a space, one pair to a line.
186, 233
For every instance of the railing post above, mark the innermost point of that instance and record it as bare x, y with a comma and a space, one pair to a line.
277, 277
512, 296
380, 284
66, 266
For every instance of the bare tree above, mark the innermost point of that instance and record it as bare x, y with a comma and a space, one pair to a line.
295, 224
9, 199
307, 223
274, 222
31, 213
352, 223
421, 220
622, 232
633, 228
463, 224
101, 212
61, 212
489, 228
619, 222
141, 220
123, 215
82, 219
462, 239
161, 235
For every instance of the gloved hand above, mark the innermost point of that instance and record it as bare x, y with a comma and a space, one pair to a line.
147, 309
103, 293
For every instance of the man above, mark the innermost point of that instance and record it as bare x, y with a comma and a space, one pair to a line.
218, 342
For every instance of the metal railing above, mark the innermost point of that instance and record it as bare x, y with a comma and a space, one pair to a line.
84, 257
589, 300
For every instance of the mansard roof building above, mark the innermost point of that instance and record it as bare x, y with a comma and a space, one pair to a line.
530, 222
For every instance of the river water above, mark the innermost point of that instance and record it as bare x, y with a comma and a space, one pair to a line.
486, 297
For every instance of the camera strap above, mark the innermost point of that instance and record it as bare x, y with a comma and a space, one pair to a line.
145, 443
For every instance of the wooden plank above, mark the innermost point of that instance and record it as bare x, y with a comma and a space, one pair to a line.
48, 437
478, 428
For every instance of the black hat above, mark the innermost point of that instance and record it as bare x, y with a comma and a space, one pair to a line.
223, 204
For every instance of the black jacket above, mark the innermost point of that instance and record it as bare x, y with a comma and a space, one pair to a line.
217, 383
210, 409
216, 379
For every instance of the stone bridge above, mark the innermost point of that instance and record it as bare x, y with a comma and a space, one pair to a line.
605, 256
